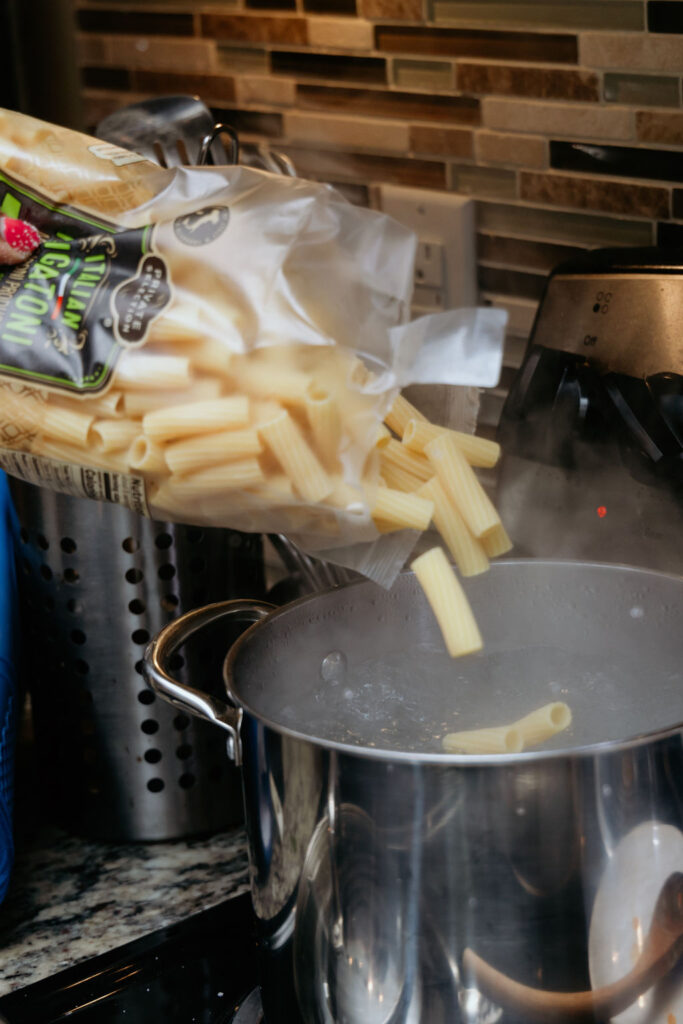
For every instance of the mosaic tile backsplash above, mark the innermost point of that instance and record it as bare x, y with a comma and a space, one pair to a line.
561, 118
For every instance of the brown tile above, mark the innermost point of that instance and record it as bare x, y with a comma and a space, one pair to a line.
357, 133
254, 29
517, 252
426, 75
519, 150
209, 87
328, 165
632, 51
375, 102
656, 127
91, 49
473, 180
242, 58
332, 66
515, 80
447, 42
340, 33
251, 122
391, 10
276, 92
157, 53
589, 194
551, 14
106, 78
584, 121
511, 282
678, 203
161, 23
441, 141
330, 6
359, 195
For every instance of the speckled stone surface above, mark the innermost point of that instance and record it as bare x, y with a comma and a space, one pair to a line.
71, 899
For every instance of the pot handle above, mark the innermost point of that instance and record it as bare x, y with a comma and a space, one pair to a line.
194, 702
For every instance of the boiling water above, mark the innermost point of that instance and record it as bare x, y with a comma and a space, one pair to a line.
409, 699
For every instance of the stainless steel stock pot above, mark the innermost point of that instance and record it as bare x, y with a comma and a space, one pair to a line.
393, 883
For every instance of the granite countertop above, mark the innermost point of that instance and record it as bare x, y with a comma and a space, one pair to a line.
71, 899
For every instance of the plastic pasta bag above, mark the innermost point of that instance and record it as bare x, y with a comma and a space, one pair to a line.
218, 346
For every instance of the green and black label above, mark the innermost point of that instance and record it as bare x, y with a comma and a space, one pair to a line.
88, 291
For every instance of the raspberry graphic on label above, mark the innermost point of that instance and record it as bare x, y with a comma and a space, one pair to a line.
17, 240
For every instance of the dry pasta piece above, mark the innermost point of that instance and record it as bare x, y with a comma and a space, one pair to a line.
138, 403
461, 485
197, 418
477, 450
400, 479
112, 462
142, 371
114, 435
497, 542
209, 355
146, 455
300, 463
448, 602
544, 722
468, 553
212, 449
107, 406
395, 454
504, 739
267, 379
400, 413
232, 476
69, 425
406, 511
325, 423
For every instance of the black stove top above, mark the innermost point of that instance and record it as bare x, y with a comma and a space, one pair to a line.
199, 971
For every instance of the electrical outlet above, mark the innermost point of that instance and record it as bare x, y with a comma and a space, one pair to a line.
445, 266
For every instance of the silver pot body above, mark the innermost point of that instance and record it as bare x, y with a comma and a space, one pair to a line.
375, 868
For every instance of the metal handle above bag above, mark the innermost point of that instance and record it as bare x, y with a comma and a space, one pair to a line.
187, 698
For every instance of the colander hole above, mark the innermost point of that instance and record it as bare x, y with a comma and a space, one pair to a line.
149, 726
181, 722
43, 542
130, 544
175, 662
74, 606
186, 780
82, 667
155, 785
197, 564
23, 533
169, 602
152, 756
78, 636
166, 572
163, 541
68, 545
71, 576
146, 697
136, 606
46, 572
138, 666
183, 752
195, 535
134, 575
139, 636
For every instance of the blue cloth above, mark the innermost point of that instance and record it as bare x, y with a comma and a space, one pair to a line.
8, 680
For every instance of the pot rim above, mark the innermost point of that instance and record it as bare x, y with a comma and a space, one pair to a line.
447, 760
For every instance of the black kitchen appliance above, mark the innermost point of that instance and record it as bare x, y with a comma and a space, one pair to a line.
592, 428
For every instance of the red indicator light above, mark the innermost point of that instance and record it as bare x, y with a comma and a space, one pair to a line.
602, 511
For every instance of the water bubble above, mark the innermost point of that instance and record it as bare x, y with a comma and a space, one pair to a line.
333, 666
636, 612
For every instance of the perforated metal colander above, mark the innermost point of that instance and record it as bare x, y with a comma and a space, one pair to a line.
96, 581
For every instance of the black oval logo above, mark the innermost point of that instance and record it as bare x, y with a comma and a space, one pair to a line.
201, 226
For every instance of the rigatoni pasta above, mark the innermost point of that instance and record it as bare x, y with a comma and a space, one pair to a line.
536, 727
